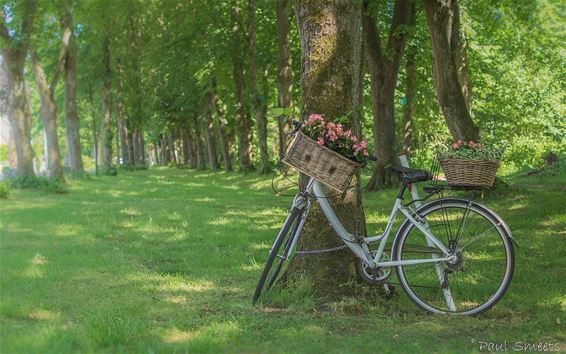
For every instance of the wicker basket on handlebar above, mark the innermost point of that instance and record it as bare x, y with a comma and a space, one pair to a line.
320, 163
469, 173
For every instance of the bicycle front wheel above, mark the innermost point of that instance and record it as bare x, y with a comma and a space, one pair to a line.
476, 279
285, 238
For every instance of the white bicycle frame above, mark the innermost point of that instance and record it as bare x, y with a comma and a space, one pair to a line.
361, 249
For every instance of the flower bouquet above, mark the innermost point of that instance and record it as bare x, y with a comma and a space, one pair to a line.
327, 151
469, 164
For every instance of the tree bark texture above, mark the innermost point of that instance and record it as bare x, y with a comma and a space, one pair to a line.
14, 52
284, 72
72, 125
330, 33
384, 63
443, 21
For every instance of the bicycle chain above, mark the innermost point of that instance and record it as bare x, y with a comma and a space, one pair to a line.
326, 250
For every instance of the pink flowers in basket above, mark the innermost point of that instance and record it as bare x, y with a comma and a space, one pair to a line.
470, 144
336, 137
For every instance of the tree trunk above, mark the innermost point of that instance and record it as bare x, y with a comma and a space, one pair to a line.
20, 118
209, 131
48, 115
94, 130
408, 107
165, 150
190, 155
141, 142
173, 152
221, 129
14, 52
123, 135
73, 140
259, 100
444, 28
243, 124
284, 71
105, 151
155, 152
186, 149
201, 164
384, 66
330, 54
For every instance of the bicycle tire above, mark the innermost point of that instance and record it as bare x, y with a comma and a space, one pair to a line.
499, 244
284, 234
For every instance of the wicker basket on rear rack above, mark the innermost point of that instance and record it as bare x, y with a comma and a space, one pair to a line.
320, 163
469, 173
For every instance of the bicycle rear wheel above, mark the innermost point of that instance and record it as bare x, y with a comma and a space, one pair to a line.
285, 238
483, 268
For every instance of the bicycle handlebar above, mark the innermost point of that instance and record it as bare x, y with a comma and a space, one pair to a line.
298, 125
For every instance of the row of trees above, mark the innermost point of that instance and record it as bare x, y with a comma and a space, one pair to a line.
213, 85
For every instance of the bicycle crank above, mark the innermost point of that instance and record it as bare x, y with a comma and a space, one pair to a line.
377, 275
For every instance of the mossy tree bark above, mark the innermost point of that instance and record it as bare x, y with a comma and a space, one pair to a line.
450, 75
330, 34
384, 63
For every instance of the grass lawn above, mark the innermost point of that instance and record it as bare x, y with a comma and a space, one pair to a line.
166, 260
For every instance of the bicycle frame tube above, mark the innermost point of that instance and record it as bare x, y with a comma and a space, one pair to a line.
361, 250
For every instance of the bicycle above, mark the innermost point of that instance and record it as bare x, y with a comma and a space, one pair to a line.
451, 255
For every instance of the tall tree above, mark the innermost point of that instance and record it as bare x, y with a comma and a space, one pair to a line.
105, 145
243, 124
221, 128
330, 34
48, 111
73, 141
384, 63
209, 130
258, 98
284, 70
15, 46
443, 18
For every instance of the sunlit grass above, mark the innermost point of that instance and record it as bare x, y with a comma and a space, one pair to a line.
166, 260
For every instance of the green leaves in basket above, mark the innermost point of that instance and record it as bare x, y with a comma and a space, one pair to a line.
469, 150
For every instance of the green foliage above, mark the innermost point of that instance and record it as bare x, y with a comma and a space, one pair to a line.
4, 152
469, 150
40, 183
111, 171
4, 189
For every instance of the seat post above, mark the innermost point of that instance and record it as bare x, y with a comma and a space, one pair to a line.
402, 189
